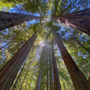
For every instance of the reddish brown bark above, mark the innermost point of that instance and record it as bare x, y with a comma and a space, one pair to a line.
10, 70
11, 19
57, 85
78, 78
79, 20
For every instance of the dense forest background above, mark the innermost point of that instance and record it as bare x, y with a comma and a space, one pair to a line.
38, 63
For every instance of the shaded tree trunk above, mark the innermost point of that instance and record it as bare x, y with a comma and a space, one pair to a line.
57, 85
51, 74
79, 20
9, 71
47, 72
14, 85
38, 81
78, 78
11, 19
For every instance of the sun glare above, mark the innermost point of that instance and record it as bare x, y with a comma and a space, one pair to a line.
42, 43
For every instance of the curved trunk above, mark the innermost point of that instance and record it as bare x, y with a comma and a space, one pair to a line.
79, 20
78, 78
11, 19
57, 85
9, 71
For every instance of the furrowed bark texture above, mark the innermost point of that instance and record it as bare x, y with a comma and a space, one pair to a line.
57, 85
79, 20
78, 78
10, 70
11, 19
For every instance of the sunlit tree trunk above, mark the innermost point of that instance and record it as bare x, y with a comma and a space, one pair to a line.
78, 78
11, 19
57, 85
10, 70
79, 20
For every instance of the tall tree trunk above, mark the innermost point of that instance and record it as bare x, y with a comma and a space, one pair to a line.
51, 74
78, 78
10, 70
38, 81
57, 85
47, 73
14, 85
11, 19
79, 20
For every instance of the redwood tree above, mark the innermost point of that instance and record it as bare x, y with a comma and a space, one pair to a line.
9, 71
57, 85
78, 78
11, 19
79, 20
38, 81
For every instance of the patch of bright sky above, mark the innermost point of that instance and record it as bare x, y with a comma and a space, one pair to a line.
81, 54
28, 23
18, 9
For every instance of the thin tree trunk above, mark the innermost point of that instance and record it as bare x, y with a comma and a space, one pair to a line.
10, 70
57, 85
47, 72
38, 81
14, 85
82, 46
79, 20
78, 78
51, 74
11, 19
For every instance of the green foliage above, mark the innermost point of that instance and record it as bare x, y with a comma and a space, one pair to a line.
5, 5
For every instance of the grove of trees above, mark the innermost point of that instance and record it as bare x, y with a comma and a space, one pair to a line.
44, 45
